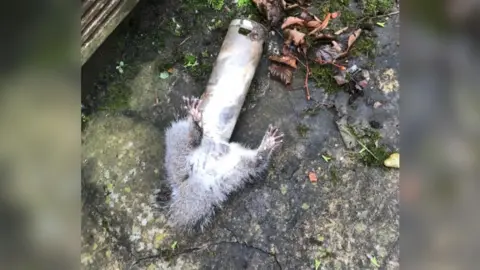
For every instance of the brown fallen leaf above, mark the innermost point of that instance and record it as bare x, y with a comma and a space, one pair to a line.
292, 21
313, 24
312, 176
323, 25
327, 54
337, 46
283, 73
284, 59
287, 6
341, 78
294, 35
306, 16
287, 51
273, 9
352, 38
362, 84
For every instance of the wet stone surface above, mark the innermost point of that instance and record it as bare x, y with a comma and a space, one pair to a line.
283, 221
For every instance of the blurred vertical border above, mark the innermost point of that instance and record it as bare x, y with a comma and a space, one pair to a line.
440, 118
40, 134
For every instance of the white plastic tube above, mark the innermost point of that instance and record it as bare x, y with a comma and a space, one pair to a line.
231, 77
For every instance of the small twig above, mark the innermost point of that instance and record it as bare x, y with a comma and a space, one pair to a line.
299, 61
291, 7
307, 91
359, 142
185, 40
280, 34
341, 31
368, 150
376, 16
321, 62
388, 14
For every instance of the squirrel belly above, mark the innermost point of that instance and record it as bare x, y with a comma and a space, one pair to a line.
202, 172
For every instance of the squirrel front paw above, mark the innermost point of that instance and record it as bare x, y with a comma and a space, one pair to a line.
273, 138
192, 105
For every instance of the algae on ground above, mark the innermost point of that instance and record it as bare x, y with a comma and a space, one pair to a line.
216, 4
364, 45
347, 17
323, 77
376, 7
372, 153
302, 130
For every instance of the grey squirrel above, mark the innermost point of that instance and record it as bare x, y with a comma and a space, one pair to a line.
203, 171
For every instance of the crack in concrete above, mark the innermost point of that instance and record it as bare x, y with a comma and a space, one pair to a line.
295, 171
245, 244
206, 246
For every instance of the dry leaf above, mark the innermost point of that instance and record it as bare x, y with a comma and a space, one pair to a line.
292, 21
306, 16
281, 72
353, 37
312, 176
273, 9
323, 25
287, 60
297, 37
313, 24
337, 46
170, 70
341, 78
362, 84
327, 54
286, 50
316, 18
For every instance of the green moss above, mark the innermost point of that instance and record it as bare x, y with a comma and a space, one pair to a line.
199, 69
347, 17
175, 27
311, 111
244, 3
216, 4
302, 130
202, 71
189, 60
215, 24
364, 45
376, 7
371, 152
334, 175
323, 77
333, 6
117, 97
192, 5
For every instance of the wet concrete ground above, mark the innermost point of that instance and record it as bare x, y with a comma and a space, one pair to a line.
348, 217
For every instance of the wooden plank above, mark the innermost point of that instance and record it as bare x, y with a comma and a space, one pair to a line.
99, 19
